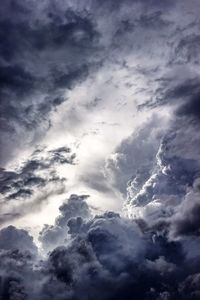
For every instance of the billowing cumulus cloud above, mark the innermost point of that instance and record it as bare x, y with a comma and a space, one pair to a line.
135, 157
99, 150
16, 239
175, 172
72, 214
106, 257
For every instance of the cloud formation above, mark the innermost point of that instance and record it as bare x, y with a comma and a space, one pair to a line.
32, 182
46, 50
117, 81
105, 256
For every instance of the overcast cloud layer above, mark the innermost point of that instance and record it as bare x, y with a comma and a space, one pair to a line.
100, 150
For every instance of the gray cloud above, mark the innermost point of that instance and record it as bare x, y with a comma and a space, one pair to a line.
135, 157
174, 172
19, 183
38, 173
47, 50
71, 215
52, 54
108, 251
187, 49
186, 220
12, 238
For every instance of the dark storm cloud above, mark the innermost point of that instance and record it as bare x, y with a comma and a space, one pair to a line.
43, 53
109, 258
188, 223
190, 287
177, 167
186, 220
191, 108
180, 91
17, 252
49, 48
14, 267
174, 171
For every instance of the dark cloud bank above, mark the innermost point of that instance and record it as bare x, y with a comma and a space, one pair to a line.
101, 257
154, 254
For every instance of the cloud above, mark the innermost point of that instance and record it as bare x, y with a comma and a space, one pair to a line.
187, 50
121, 79
12, 238
191, 108
108, 252
174, 170
135, 157
71, 215
58, 45
33, 181
52, 54
186, 220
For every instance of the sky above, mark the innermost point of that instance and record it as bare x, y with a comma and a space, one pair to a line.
99, 150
